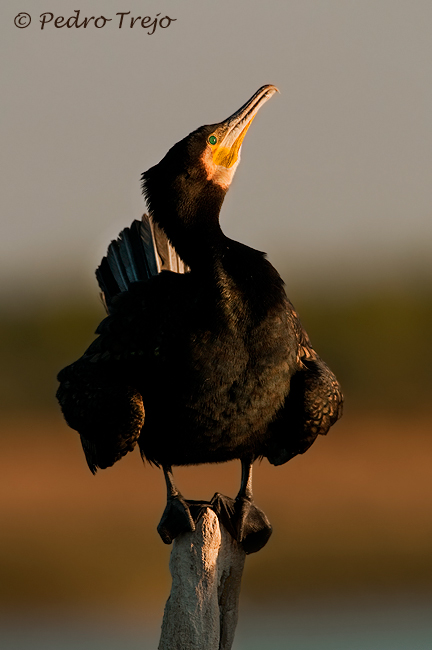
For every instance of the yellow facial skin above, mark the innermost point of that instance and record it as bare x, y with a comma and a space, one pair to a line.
224, 155
220, 164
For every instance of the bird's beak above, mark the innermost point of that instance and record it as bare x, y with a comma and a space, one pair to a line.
229, 134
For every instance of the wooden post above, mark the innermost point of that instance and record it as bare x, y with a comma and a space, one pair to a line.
202, 610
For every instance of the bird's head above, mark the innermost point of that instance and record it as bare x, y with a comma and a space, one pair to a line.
187, 188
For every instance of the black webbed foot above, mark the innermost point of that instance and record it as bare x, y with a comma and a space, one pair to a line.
176, 519
243, 520
254, 529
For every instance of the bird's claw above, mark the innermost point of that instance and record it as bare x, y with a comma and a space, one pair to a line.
176, 519
243, 520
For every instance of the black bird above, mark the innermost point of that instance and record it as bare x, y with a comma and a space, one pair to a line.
202, 358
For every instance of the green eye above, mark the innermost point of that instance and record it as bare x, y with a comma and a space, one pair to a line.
212, 139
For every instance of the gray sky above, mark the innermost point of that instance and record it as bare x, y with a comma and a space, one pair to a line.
335, 178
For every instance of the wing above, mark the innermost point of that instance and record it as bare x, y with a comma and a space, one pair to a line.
108, 416
139, 253
314, 402
97, 393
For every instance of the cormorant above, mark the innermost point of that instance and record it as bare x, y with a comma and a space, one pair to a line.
202, 358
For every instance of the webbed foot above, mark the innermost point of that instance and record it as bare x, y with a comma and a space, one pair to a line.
176, 519
243, 520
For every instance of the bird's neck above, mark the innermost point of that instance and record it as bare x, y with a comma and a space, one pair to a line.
195, 234
240, 283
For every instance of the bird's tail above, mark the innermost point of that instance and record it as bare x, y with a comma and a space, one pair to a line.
139, 252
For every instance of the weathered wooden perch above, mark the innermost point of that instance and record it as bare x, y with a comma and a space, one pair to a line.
206, 567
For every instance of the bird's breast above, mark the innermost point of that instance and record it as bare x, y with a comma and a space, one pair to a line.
215, 390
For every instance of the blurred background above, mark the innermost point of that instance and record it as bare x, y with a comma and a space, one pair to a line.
335, 185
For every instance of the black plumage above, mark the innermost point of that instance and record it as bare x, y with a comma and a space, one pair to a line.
202, 358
